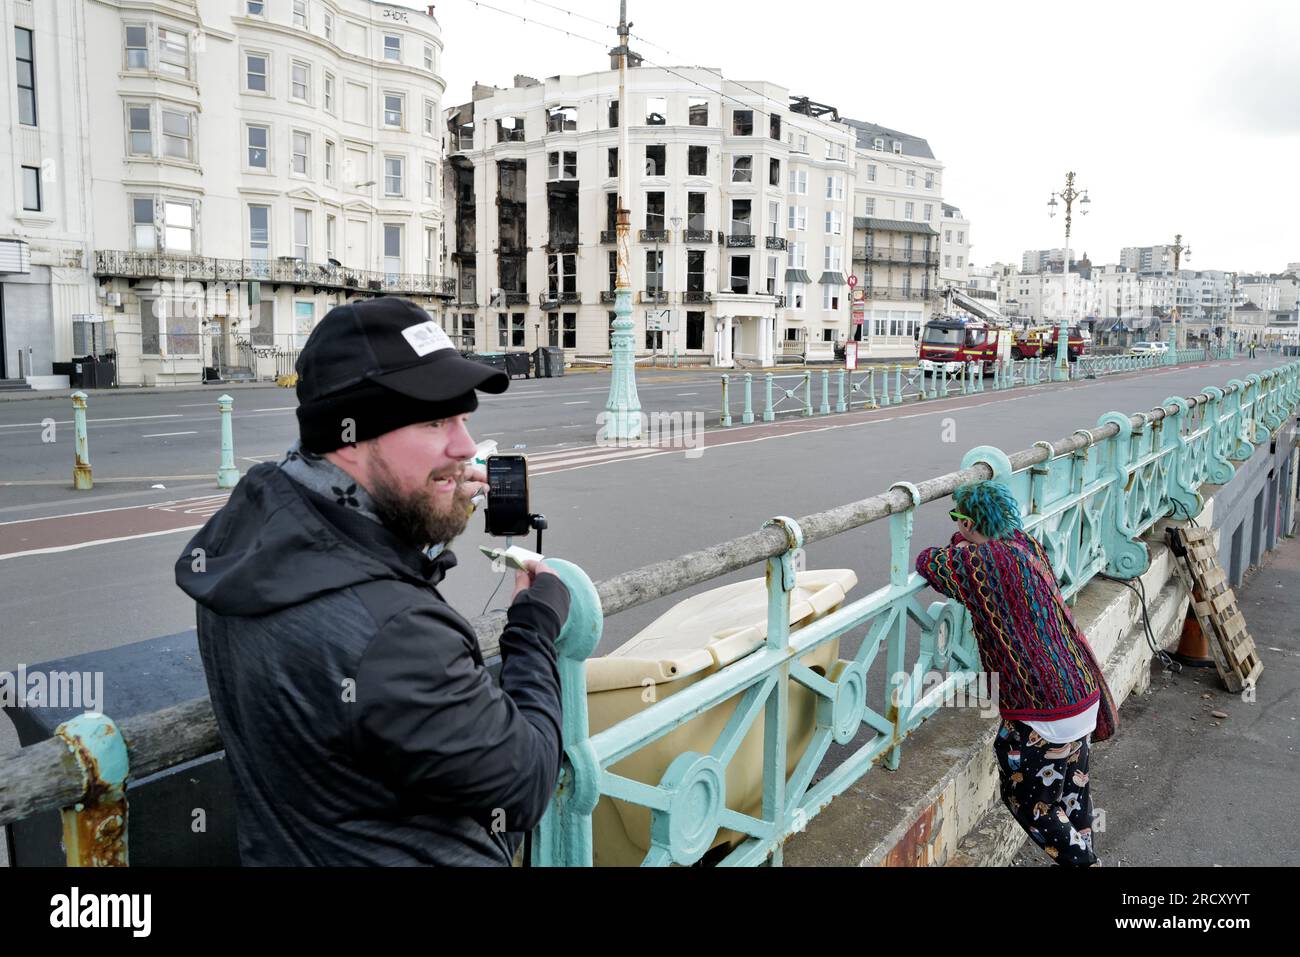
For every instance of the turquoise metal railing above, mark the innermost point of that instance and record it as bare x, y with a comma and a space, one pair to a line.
1088, 498
822, 392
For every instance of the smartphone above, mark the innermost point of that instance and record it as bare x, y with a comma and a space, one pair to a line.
507, 500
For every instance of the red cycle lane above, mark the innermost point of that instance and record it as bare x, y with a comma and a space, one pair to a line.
66, 532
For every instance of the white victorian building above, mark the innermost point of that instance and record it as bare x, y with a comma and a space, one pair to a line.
232, 169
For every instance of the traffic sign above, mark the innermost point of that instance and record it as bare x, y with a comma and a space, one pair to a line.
853, 282
850, 356
660, 320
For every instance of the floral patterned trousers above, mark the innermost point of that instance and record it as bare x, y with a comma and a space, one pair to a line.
1045, 786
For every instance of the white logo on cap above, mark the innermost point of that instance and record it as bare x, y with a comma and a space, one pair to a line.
427, 337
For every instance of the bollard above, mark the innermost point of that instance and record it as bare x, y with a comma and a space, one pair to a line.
82, 478
227, 475
898, 383
768, 413
725, 419
997, 377
807, 393
945, 381
884, 391
747, 417
840, 405
826, 392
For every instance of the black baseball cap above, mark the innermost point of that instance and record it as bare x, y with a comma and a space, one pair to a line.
393, 343
381, 365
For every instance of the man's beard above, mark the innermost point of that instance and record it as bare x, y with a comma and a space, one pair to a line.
415, 518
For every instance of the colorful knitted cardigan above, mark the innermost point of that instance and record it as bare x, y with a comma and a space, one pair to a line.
1026, 633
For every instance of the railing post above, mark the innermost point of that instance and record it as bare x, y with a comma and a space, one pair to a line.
884, 392
807, 393
725, 419
840, 406
898, 383
997, 376
563, 838
768, 412
747, 416
782, 576
826, 392
95, 828
82, 476
945, 381
900, 570
227, 474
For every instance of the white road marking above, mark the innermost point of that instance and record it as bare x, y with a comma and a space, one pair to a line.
682, 394
582, 402
164, 435
89, 422
102, 541
601, 455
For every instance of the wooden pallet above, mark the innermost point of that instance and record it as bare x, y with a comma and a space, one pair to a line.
1216, 609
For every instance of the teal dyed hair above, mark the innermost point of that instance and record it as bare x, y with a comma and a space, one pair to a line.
993, 509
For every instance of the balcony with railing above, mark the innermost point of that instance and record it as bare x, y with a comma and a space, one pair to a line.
113, 263
653, 235
553, 300
896, 254
697, 236
775, 243
898, 293
608, 296
654, 296
608, 237
516, 298
740, 241
697, 297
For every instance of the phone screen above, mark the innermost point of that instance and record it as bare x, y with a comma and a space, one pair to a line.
507, 508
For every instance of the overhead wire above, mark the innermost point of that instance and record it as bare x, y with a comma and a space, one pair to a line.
667, 69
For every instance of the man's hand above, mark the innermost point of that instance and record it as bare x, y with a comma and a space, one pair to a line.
524, 579
475, 481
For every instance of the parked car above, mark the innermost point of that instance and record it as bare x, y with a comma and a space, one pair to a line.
1149, 349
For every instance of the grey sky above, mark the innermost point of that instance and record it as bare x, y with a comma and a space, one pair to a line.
1177, 116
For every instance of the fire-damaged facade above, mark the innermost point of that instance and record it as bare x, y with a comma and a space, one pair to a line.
741, 208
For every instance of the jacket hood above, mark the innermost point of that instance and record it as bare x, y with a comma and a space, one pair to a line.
275, 545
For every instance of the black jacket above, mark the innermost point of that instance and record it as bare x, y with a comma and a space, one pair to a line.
360, 725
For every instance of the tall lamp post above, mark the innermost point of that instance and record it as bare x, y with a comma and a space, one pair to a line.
1067, 196
1179, 250
623, 409
1232, 315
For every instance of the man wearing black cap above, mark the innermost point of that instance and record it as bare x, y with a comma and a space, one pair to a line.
359, 722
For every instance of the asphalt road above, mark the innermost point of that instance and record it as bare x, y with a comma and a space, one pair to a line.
608, 512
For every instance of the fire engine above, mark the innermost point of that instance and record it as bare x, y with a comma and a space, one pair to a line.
1041, 341
970, 332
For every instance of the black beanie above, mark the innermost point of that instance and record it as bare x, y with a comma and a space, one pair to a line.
367, 411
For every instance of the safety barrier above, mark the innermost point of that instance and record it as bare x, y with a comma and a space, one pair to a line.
1088, 498
827, 391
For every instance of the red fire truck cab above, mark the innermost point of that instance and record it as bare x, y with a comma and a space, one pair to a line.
950, 343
